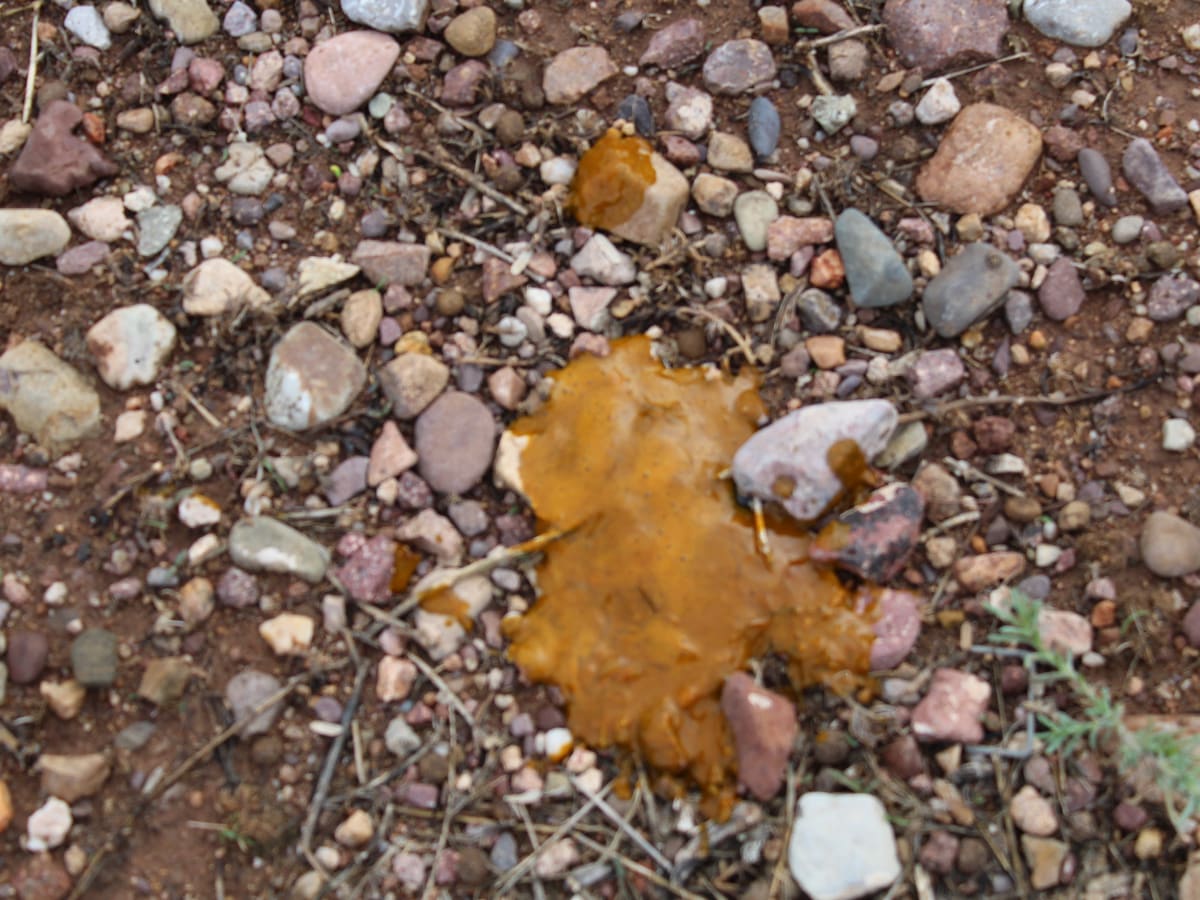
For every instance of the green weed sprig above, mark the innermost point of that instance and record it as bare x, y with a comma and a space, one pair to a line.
1175, 758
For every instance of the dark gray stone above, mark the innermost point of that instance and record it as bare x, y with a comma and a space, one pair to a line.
763, 127
94, 658
970, 287
1096, 172
1149, 174
875, 272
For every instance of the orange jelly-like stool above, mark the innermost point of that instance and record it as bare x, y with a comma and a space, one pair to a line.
611, 180
657, 592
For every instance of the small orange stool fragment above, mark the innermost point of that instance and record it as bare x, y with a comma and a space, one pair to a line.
611, 180
657, 593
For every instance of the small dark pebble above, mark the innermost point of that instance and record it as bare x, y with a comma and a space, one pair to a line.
635, 109
831, 748
763, 126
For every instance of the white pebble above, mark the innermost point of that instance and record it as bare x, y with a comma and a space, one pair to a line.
558, 170
48, 826
1178, 435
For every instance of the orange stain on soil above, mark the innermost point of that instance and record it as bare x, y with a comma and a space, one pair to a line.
657, 593
611, 180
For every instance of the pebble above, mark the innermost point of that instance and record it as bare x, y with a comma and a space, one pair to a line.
602, 262
574, 73
130, 345
1065, 631
1147, 172
662, 202
101, 219
842, 846
982, 161
81, 259
64, 698
794, 449
367, 573
940, 103
818, 311
288, 634
715, 195
764, 728
396, 16
1098, 176
952, 708
191, 20
1044, 856
165, 680
1068, 208
1178, 435
94, 658
754, 211
729, 153
1083, 23
246, 169
635, 109
988, 569
833, 111
356, 830
217, 287
239, 19
689, 111
46, 397
1127, 229
262, 544
1061, 294
939, 36
738, 66
936, 372
86, 23
826, 16
874, 270
411, 382
455, 440
315, 274
48, 825
361, 314
763, 127
395, 679
312, 378
675, 44
896, 629
400, 738
874, 539
969, 288
344, 72
27, 654
1171, 296
248, 690
392, 262
29, 234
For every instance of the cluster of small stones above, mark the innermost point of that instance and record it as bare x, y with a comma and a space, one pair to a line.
243, 219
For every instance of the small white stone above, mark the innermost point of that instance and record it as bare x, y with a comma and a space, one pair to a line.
55, 594
48, 826
558, 743
199, 511
86, 23
1046, 555
940, 103
129, 426
1178, 435
203, 549
289, 634
558, 170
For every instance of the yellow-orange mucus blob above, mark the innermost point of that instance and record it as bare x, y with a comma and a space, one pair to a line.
657, 594
611, 180
404, 564
446, 602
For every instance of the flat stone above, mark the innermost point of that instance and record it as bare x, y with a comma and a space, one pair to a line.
411, 382
788, 235
1146, 171
933, 36
602, 262
589, 306
347, 480
165, 680
130, 345
315, 274
754, 211
941, 490
396, 16
675, 44
455, 441
764, 728
361, 314
431, 532
1170, 545
970, 287
395, 679
87, 24
1045, 857
833, 112
1083, 23
55, 161
793, 451
29, 234
952, 708
874, 539
715, 195
825, 16
689, 111
392, 262
288, 634
261, 544
246, 170
191, 20
763, 126
390, 455
738, 66
575, 72
729, 153
1061, 294
94, 658
217, 287
874, 270
312, 378
1033, 813
842, 846
72, 777
344, 72
247, 691
982, 161
47, 398
939, 104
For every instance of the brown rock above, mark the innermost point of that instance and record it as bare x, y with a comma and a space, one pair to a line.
164, 680
27, 652
982, 161
72, 778
575, 72
934, 35
55, 161
392, 262
988, 569
675, 44
736, 67
764, 727
41, 877
826, 16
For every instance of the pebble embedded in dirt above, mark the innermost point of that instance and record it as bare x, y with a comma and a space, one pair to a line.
874, 270
933, 37
738, 66
312, 378
1084, 23
72, 777
30, 234
342, 73
55, 161
952, 708
217, 287
130, 344
94, 658
1061, 294
970, 286
1033, 813
764, 727
1146, 171
263, 544
842, 846
575, 72
455, 440
1170, 545
27, 654
874, 539
246, 692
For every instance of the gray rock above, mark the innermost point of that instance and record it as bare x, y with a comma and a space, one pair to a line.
1170, 545
875, 272
396, 16
29, 234
312, 378
736, 67
1084, 23
763, 127
1068, 208
1149, 174
635, 109
412, 381
247, 691
842, 846
754, 211
46, 397
191, 20
156, 226
246, 169
1127, 229
833, 111
262, 544
239, 20
455, 440
94, 658
969, 288
1171, 296
818, 312
1018, 311
130, 344
794, 451
1098, 175
400, 738
1061, 294
86, 23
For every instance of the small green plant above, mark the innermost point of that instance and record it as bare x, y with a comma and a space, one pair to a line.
1174, 758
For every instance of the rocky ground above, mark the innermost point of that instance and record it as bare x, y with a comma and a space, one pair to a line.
277, 278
